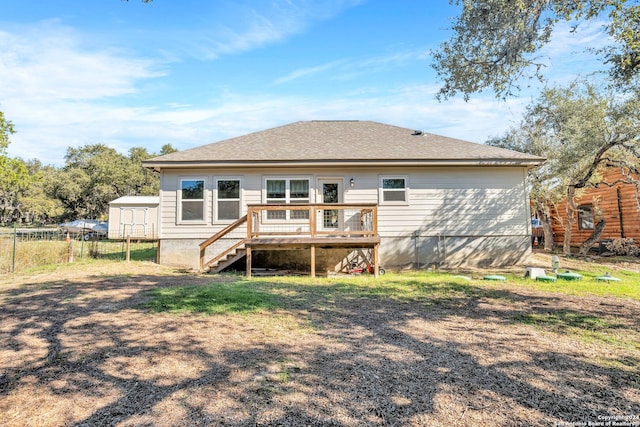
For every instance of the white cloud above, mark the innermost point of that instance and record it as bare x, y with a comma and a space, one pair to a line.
413, 107
567, 40
46, 61
263, 23
352, 68
56, 90
309, 71
572, 52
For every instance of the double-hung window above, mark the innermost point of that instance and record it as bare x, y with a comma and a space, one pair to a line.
287, 191
393, 190
227, 199
192, 203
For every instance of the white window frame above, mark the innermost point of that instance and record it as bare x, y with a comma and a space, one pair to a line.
217, 199
204, 200
382, 190
287, 199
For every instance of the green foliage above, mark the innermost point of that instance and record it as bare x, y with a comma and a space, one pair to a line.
580, 129
6, 129
14, 176
495, 42
167, 149
36, 205
624, 58
94, 175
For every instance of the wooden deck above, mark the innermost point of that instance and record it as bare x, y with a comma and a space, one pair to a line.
305, 226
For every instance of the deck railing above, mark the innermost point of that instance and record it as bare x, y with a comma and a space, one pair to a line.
312, 220
211, 240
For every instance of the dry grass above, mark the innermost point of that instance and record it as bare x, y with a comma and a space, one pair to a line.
78, 347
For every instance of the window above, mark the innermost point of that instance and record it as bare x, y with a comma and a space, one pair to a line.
287, 190
228, 199
394, 190
585, 217
192, 200
299, 193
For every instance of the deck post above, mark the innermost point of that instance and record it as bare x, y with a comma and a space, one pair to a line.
312, 221
313, 260
248, 256
375, 260
374, 221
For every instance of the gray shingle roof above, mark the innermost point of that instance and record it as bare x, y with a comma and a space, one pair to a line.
340, 141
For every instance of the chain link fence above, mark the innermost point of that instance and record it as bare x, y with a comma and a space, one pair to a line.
25, 248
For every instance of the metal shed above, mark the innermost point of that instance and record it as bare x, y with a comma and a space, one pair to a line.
135, 217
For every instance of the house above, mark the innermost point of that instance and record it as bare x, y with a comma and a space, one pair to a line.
134, 216
618, 204
317, 192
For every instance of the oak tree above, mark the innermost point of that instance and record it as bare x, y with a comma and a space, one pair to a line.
496, 43
580, 129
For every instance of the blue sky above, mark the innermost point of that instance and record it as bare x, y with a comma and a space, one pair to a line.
191, 72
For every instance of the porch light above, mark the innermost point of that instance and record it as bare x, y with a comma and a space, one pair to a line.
352, 183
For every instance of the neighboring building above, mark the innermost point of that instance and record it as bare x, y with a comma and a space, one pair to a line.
618, 205
414, 198
135, 217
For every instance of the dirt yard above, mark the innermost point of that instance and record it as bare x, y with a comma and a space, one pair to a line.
78, 349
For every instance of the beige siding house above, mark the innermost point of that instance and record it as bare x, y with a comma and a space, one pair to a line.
412, 198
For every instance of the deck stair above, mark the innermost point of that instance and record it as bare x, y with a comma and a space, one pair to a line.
234, 254
226, 257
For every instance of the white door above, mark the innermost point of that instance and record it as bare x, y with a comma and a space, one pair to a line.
330, 192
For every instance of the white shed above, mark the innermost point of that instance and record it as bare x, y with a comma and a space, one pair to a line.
134, 216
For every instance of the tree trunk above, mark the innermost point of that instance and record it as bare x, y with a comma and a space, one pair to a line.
548, 236
597, 232
546, 227
571, 210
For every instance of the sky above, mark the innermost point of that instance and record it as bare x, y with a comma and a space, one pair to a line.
191, 72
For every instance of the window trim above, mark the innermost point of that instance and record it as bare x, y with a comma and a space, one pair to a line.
381, 190
216, 199
205, 185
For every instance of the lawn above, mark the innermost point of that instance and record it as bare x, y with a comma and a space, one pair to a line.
113, 343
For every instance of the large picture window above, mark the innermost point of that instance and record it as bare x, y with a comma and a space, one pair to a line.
227, 199
393, 190
192, 200
287, 190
